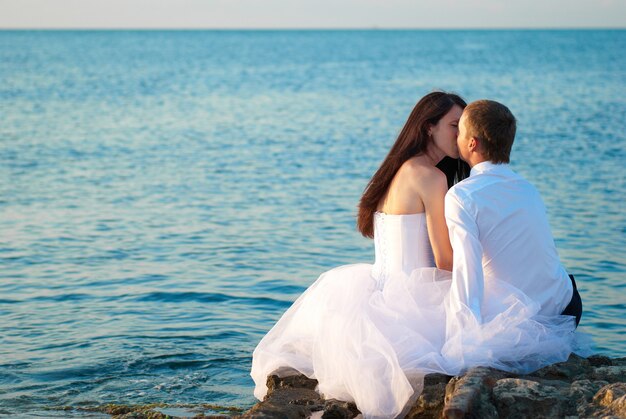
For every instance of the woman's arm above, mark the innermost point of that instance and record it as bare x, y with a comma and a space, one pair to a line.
432, 187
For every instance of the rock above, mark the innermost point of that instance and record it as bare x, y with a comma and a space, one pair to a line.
157, 411
287, 403
582, 391
336, 409
470, 395
599, 361
574, 367
610, 393
579, 387
613, 397
429, 404
293, 381
515, 397
611, 373
294, 397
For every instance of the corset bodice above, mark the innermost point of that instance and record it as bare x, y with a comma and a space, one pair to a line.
401, 244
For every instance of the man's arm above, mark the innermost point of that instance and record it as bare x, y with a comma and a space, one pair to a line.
467, 268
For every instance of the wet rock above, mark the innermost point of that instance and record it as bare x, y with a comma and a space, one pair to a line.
293, 381
157, 411
295, 396
580, 387
287, 403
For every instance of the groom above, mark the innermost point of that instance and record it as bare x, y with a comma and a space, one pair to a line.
497, 222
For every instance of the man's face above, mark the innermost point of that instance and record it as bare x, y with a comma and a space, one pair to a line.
462, 140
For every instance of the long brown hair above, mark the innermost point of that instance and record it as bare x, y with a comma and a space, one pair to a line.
412, 141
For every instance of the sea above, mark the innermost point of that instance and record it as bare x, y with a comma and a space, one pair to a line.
166, 195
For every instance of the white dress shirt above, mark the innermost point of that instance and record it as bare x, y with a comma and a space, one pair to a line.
499, 231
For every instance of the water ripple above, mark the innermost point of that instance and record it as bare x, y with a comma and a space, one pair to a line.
164, 201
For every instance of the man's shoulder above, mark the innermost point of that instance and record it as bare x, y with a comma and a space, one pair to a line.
465, 188
460, 197
476, 187
487, 180
481, 189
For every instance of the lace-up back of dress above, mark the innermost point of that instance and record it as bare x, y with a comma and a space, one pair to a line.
401, 243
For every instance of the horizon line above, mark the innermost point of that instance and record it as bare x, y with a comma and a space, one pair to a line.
293, 29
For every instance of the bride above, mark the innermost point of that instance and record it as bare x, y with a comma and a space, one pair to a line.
354, 329
370, 333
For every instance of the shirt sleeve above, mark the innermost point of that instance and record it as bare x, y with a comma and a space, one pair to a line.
467, 270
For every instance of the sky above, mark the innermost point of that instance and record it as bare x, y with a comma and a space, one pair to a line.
287, 14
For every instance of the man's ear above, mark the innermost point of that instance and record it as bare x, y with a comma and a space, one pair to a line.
472, 144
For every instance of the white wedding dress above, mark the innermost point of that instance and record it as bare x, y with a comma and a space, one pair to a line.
369, 333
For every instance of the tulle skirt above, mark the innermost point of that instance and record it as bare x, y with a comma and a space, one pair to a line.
372, 342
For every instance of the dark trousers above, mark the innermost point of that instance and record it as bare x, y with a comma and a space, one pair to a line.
575, 306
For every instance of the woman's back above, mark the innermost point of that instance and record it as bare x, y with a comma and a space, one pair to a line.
418, 188
401, 244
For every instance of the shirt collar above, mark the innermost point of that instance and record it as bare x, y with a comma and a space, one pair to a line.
487, 166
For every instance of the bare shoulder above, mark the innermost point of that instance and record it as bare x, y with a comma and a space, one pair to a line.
423, 175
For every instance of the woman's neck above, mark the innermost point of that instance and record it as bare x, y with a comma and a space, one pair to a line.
434, 155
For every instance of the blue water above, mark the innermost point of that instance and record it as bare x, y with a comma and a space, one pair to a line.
165, 196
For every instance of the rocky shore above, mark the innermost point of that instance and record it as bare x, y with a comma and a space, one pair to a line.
580, 387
